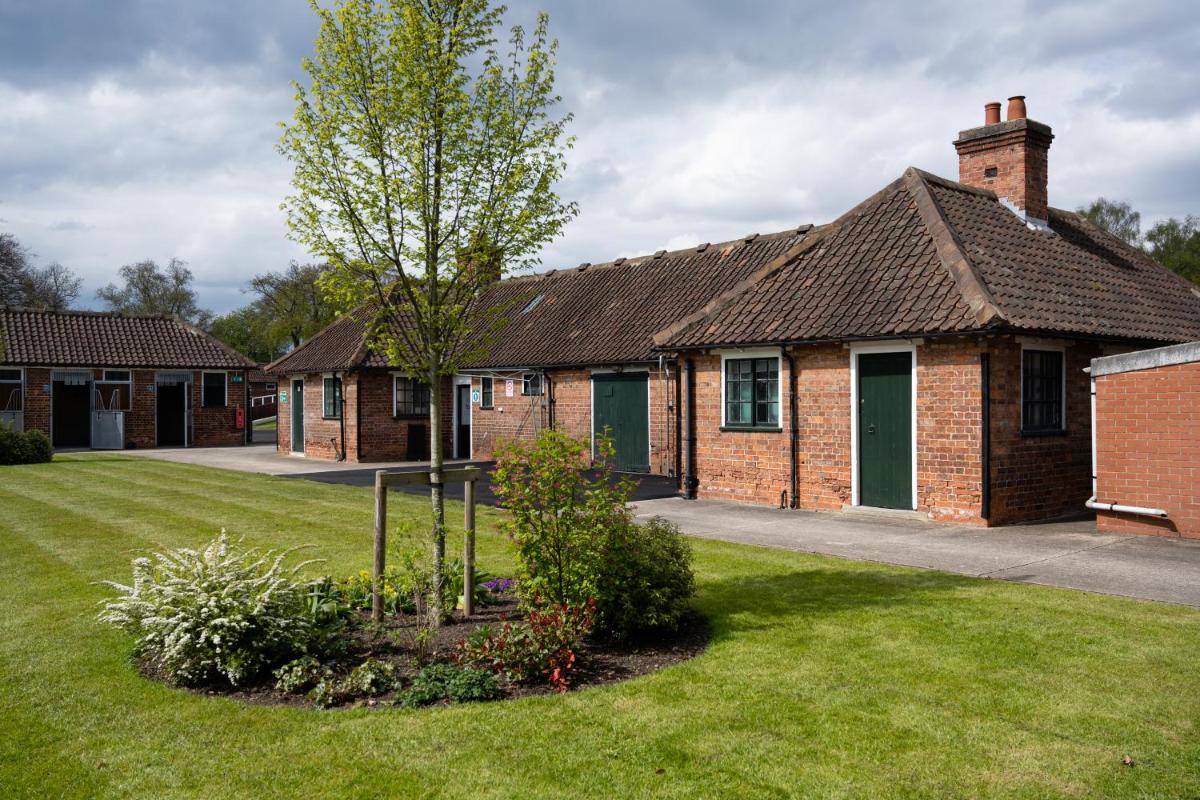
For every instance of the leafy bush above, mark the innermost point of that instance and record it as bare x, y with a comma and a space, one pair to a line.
541, 647
447, 681
647, 579
299, 675
30, 447
371, 677
558, 515
221, 613
576, 539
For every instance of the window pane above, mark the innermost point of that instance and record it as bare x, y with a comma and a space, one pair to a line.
486, 397
116, 375
214, 389
10, 375
333, 397
11, 398
1041, 381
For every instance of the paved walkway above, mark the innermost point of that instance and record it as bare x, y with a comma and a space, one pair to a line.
1068, 554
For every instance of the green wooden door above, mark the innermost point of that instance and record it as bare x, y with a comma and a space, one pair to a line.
620, 409
297, 411
885, 430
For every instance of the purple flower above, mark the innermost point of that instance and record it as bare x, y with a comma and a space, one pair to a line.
498, 585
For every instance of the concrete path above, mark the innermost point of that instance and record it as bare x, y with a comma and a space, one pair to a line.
1068, 554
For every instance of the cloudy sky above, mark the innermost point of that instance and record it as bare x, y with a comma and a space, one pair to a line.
146, 129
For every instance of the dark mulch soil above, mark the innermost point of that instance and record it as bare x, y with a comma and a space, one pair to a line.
597, 663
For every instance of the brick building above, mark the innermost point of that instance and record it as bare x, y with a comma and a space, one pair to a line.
1147, 441
114, 381
925, 351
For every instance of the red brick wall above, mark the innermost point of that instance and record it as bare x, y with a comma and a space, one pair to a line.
1038, 477
520, 418
372, 433
1032, 477
1148, 448
210, 426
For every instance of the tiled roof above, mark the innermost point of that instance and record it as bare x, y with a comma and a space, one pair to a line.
609, 313
926, 256
592, 314
98, 339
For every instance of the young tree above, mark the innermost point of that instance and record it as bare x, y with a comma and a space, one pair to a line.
424, 165
1116, 217
293, 301
150, 289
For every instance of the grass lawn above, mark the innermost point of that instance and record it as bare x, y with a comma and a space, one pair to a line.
826, 678
265, 424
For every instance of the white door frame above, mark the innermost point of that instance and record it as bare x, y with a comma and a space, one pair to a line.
461, 380
861, 348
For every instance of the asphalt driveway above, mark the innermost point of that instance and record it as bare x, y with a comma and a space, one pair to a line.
1068, 554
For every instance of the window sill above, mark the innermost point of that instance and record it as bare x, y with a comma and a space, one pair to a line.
1042, 434
339, 416
410, 417
750, 429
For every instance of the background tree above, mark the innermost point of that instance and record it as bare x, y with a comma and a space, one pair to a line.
1176, 245
248, 330
14, 265
1116, 217
150, 289
1173, 243
292, 302
50, 288
424, 165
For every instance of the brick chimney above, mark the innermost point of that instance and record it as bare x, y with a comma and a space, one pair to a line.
1009, 158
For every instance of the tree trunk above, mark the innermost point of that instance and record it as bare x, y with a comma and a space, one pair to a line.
437, 496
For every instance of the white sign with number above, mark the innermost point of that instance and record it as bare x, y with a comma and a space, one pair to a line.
508, 388
475, 396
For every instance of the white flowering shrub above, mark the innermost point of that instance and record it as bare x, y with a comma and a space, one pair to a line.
218, 614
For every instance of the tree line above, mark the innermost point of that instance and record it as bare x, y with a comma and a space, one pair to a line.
288, 308
1174, 243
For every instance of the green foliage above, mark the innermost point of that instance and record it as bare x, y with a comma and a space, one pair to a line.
371, 677
247, 330
300, 675
217, 614
540, 648
448, 681
577, 541
647, 579
30, 447
559, 516
1176, 245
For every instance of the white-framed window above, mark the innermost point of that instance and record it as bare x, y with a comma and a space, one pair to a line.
12, 389
214, 390
531, 384
331, 397
751, 390
271, 387
487, 393
1043, 389
114, 391
410, 397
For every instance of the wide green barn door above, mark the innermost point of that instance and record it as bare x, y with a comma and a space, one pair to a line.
885, 430
620, 408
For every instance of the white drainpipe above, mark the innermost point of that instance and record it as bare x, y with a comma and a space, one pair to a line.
1091, 501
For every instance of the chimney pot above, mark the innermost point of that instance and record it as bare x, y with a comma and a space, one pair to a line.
1016, 107
991, 114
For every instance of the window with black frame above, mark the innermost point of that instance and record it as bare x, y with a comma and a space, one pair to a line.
411, 397
752, 393
1042, 391
11, 394
332, 397
487, 393
213, 394
531, 384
